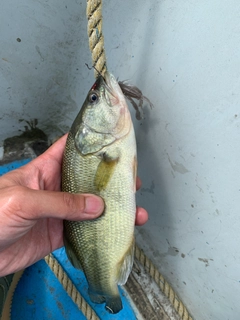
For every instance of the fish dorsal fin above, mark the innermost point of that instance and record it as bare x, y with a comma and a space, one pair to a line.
127, 264
71, 255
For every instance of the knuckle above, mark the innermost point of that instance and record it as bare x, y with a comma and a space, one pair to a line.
16, 199
72, 202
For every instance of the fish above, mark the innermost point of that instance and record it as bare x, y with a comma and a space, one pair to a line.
100, 157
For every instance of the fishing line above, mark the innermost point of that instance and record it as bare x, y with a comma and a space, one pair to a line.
90, 68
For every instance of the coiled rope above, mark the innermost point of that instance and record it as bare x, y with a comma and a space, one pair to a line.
70, 288
96, 45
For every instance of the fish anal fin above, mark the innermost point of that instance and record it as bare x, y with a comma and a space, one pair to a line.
126, 264
71, 255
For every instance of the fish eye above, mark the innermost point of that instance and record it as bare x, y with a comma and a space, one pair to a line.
93, 97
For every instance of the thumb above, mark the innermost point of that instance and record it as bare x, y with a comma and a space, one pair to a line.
36, 204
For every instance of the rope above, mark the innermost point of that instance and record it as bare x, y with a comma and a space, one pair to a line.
163, 284
70, 288
96, 40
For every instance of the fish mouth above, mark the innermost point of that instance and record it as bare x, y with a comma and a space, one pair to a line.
109, 79
111, 94
113, 89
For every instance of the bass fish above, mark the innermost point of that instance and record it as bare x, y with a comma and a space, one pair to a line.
100, 158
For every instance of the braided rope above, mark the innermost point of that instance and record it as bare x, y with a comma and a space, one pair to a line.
70, 288
96, 40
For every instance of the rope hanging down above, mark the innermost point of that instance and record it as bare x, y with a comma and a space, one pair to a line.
96, 40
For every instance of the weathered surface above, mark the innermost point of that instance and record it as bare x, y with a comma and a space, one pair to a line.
29, 144
149, 301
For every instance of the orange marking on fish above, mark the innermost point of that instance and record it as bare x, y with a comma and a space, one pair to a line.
135, 172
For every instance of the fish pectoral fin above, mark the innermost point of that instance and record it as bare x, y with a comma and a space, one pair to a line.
105, 170
126, 265
71, 255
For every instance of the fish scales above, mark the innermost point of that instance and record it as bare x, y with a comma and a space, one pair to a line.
103, 247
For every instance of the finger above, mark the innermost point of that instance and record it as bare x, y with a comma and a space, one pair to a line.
141, 216
55, 151
138, 183
35, 204
45, 166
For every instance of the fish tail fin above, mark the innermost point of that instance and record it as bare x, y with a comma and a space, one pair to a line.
114, 304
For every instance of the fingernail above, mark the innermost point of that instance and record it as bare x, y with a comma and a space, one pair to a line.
94, 204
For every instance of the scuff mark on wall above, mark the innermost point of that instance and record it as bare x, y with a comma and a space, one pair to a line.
206, 261
39, 52
149, 190
177, 167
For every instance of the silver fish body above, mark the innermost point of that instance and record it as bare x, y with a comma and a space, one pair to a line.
100, 158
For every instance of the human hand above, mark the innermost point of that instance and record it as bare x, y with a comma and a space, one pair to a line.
33, 209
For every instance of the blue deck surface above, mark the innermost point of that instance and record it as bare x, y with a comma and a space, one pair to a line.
39, 294
13, 165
